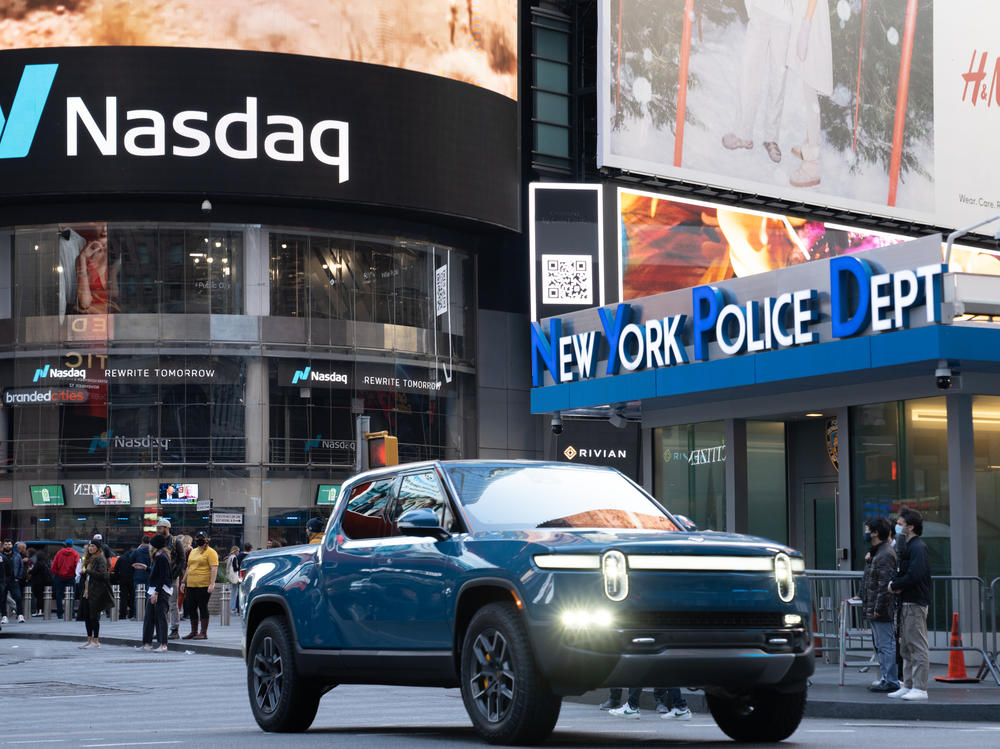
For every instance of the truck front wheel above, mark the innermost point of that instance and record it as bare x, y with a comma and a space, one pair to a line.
281, 700
762, 716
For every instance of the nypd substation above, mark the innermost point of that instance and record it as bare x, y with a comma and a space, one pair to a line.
830, 390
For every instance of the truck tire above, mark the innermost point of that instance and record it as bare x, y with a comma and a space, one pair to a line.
506, 697
763, 716
281, 700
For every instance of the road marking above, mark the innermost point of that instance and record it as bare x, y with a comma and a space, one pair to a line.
35, 741
132, 743
828, 730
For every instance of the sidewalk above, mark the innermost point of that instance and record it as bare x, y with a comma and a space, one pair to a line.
948, 702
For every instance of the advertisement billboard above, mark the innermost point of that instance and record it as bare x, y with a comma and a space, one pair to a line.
475, 43
868, 107
47, 495
326, 494
178, 494
111, 494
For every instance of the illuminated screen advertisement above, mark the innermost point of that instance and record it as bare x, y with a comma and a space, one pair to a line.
474, 42
326, 494
670, 243
385, 103
178, 494
888, 108
47, 495
111, 494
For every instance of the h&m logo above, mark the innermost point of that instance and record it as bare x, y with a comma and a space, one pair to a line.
17, 129
100, 440
301, 374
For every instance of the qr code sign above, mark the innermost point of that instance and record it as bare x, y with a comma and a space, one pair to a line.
567, 279
441, 289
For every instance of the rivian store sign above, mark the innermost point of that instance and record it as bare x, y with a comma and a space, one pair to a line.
847, 297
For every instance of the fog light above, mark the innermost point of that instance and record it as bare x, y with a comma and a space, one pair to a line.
586, 619
792, 620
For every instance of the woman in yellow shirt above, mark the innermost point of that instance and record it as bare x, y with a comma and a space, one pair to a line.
198, 584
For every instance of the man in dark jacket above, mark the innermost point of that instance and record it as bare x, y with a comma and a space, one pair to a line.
913, 585
878, 604
178, 563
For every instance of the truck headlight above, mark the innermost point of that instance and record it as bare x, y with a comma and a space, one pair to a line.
614, 569
784, 577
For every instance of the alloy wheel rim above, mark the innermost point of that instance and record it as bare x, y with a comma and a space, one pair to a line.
267, 676
494, 683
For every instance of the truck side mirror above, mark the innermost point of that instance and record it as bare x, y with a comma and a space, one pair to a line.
421, 521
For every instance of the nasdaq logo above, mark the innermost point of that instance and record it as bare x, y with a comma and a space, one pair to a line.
301, 374
41, 373
17, 129
310, 444
100, 440
47, 371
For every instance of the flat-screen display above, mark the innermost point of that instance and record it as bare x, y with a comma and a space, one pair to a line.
47, 495
327, 494
178, 494
111, 494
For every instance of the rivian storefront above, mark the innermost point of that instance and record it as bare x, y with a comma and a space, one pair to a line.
213, 260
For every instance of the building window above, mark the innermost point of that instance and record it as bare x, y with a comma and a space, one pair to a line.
689, 472
767, 493
550, 91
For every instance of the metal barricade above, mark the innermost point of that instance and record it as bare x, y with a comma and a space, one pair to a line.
47, 603
140, 602
967, 596
117, 603
224, 613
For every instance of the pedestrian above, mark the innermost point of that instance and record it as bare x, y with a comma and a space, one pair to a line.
178, 563
878, 604
126, 583
96, 595
670, 703
21, 576
247, 548
913, 585
14, 575
158, 600
39, 577
6, 580
141, 561
198, 583
63, 573
99, 539
314, 530
183, 604
233, 573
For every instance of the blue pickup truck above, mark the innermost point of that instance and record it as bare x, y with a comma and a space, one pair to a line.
522, 582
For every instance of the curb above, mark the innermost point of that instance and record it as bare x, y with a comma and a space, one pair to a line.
172, 646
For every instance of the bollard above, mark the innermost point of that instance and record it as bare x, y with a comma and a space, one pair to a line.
47, 603
224, 614
117, 602
68, 604
140, 602
28, 603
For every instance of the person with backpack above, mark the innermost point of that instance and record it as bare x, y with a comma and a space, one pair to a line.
63, 573
233, 573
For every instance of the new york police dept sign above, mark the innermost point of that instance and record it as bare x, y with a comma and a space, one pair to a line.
873, 292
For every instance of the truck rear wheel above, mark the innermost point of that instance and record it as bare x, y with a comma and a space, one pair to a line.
281, 700
506, 697
761, 716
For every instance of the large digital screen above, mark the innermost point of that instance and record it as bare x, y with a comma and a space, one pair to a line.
327, 494
178, 494
47, 495
474, 41
111, 494
888, 108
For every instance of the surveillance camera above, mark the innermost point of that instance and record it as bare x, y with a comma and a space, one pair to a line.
557, 425
942, 376
206, 206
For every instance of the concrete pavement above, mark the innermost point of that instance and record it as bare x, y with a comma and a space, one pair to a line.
948, 702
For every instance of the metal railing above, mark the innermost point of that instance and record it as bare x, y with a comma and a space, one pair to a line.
840, 631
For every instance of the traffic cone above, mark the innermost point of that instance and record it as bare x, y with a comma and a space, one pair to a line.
956, 658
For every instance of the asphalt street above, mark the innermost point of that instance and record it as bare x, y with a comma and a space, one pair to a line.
53, 694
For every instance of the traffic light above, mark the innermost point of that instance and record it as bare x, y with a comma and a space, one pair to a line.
383, 449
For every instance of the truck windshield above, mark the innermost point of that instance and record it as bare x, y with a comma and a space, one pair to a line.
504, 497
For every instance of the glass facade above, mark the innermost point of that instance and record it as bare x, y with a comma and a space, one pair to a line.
139, 353
986, 430
767, 492
689, 472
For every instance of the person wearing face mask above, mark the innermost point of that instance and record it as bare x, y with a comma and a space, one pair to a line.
878, 604
912, 584
199, 582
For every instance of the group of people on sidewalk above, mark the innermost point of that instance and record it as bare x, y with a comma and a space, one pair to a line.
895, 594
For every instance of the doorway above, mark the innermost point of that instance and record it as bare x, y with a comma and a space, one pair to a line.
820, 500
